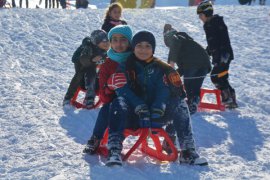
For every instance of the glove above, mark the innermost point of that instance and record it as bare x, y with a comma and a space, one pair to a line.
144, 115
116, 80
225, 58
156, 118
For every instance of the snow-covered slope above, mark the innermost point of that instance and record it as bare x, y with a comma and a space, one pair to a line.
41, 140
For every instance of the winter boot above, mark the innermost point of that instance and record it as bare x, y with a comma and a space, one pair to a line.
115, 147
233, 104
92, 145
226, 97
66, 102
89, 102
193, 104
114, 157
190, 156
166, 146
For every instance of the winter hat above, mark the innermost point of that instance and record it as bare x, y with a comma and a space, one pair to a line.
206, 8
124, 30
168, 34
98, 36
144, 36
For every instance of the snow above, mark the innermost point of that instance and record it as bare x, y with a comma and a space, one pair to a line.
41, 140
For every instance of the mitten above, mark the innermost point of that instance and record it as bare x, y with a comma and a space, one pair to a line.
144, 115
116, 80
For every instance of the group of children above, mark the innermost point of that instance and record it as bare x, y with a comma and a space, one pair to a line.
139, 90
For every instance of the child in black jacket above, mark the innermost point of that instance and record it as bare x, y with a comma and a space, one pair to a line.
219, 47
92, 51
113, 17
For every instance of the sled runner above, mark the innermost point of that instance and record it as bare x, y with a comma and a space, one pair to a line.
145, 134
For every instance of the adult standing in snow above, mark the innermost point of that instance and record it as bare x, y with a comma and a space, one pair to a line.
85, 59
219, 47
113, 17
192, 60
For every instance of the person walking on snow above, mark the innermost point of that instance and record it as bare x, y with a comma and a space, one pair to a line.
219, 47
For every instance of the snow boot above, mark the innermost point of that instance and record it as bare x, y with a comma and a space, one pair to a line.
193, 104
66, 102
166, 146
190, 156
89, 102
233, 104
114, 158
92, 145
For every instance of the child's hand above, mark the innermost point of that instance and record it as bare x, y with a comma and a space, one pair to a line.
97, 58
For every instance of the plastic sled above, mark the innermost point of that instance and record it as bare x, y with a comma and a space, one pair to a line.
144, 134
78, 99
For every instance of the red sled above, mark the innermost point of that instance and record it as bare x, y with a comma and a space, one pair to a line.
144, 134
204, 105
79, 97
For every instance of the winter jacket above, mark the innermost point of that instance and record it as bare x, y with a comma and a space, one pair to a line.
218, 39
86, 52
106, 70
187, 53
110, 23
146, 84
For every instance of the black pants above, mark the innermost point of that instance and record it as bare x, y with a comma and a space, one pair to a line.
193, 80
52, 3
221, 82
26, 3
84, 77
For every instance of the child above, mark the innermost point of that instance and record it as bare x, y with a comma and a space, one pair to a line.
146, 101
120, 39
192, 60
219, 47
85, 59
113, 17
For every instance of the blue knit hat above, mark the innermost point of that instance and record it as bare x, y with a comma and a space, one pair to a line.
144, 36
124, 30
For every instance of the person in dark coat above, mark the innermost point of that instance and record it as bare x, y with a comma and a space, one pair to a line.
192, 60
219, 47
85, 58
113, 17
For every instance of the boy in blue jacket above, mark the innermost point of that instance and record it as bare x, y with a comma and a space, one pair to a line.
146, 100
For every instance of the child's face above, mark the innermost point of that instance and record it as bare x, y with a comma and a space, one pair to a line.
119, 43
202, 17
116, 13
104, 45
143, 51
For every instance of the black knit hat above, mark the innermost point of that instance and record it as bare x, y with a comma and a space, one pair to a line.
206, 8
98, 36
144, 36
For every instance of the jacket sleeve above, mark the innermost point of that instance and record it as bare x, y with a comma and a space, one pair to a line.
105, 94
129, 95
76, 54
162, 93
225, 44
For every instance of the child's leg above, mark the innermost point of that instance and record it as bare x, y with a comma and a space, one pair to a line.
102, 121
90, 81
75, 82
117, 121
